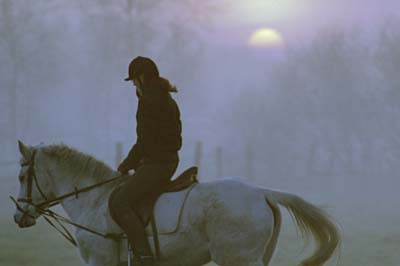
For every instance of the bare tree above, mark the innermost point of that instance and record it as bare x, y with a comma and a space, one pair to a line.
24, 38
315, 104
387, 58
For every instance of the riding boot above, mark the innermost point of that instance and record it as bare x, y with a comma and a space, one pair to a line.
141, 244
136, 233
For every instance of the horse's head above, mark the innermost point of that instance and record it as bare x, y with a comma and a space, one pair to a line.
32, 186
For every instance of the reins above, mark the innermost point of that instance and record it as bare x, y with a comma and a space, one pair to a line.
76, 192
42, 207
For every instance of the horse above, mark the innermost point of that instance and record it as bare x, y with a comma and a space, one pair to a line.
227, 221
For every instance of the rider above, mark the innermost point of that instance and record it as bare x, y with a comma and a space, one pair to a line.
154, 156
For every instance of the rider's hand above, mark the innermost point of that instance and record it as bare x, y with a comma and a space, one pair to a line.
122, 169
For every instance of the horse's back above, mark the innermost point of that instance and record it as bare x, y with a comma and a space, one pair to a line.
230, 198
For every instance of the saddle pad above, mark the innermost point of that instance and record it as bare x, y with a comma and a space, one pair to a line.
167, 211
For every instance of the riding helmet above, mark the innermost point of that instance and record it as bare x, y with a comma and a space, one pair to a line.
142, 66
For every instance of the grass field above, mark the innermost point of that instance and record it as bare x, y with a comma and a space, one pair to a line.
371, 237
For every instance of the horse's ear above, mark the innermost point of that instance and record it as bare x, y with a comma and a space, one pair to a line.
24, 150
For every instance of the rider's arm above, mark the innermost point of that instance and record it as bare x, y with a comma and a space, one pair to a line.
134, 156
147, 119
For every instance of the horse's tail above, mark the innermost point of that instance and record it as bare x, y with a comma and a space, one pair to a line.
311, 221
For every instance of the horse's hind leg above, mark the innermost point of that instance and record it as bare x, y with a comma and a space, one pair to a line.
239, 251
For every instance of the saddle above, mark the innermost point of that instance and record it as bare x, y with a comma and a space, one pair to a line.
183, 181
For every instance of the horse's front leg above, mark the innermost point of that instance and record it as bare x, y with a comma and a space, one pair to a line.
97, 251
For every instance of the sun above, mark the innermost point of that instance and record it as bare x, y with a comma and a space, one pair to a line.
266, 37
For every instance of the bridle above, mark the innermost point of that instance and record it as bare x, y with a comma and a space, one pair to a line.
43, 207
31, 179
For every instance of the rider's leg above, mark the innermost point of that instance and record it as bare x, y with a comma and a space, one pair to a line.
147, 178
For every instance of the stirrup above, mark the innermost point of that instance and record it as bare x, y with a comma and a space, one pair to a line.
130, 253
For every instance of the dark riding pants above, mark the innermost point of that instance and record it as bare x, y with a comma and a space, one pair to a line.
147, 179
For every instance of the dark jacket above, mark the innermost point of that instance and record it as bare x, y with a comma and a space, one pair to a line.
158, 127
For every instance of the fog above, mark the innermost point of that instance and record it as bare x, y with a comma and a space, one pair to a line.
318, 116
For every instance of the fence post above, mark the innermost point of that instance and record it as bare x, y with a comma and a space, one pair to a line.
249, 162
219, 162
118, 154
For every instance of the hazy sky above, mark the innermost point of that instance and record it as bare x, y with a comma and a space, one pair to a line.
299, 18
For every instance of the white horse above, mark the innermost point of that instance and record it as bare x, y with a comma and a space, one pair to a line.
227, 221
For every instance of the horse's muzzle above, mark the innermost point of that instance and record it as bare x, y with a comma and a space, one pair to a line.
24, 221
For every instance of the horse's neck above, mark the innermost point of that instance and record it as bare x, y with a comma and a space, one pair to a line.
84, 203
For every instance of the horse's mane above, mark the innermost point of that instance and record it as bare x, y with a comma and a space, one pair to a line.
78, 163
